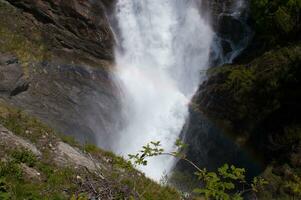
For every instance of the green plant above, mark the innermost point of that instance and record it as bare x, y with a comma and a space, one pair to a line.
70, 140
294, 185
276, 21
91, 148
24, 156
4, 194
225, 184
10, 169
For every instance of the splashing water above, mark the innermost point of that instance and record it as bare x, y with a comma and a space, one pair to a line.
163, 46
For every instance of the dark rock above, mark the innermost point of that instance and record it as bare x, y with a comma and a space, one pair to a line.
210, 148
229, 20
77, 100
12, 79
72, 26
230, 28
55, 65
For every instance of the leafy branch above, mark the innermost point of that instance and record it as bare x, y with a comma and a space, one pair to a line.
223, 184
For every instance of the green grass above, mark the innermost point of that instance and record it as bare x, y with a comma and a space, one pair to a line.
60, 182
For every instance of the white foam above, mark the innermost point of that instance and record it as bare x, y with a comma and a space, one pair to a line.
163, 47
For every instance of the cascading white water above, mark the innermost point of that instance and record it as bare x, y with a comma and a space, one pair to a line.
163, 46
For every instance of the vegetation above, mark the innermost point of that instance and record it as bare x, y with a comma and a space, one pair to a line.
23, 175
277, 21
24, 156
228, 183
258, 104
256, 90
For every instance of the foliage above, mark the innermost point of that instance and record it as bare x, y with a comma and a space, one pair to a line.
4, 194
10, 169
294, 185
240, 81
224, 184
24, 156
277, 21
149, 150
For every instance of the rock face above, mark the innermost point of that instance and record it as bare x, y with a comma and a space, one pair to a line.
12, 81
55, 61
229, 21
209, 147
76, 100
78, 26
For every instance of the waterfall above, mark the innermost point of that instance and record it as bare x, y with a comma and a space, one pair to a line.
162, 50
232, 32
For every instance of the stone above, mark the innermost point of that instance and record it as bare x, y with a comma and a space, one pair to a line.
13, 141
12, 81
76, 26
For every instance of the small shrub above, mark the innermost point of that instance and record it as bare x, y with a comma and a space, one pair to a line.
4, 193
10, 169
24, 156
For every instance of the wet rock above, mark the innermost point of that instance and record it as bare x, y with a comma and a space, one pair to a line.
229, 20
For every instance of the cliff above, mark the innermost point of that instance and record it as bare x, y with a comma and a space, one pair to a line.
255, 100
55, 58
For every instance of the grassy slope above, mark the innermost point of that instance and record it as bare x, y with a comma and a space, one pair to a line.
121, 179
